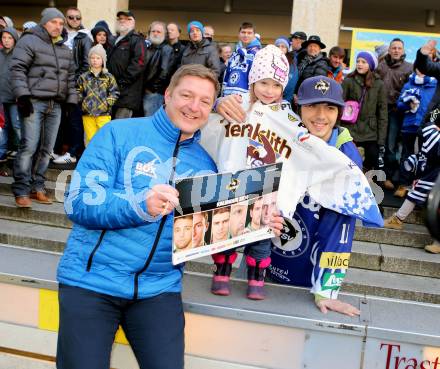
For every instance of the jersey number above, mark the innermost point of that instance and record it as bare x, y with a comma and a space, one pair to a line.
344, 233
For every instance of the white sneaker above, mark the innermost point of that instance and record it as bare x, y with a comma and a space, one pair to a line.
54, 156
65, 159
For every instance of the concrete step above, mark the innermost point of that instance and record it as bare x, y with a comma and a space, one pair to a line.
393, 285
52, 215
399, 272
54, 189
378, 255
416, 217
412, 235
360, 281
370, 256
395, 259
35, 236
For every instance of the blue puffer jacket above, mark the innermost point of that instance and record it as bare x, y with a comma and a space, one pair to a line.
112, 234
424, 93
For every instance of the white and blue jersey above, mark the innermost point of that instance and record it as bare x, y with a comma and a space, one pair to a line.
315, 246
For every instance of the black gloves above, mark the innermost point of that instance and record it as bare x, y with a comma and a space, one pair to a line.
24, 106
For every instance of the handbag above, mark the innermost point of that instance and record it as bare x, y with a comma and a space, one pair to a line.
352, 110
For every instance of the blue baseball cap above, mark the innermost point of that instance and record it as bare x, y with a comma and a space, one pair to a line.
320, 89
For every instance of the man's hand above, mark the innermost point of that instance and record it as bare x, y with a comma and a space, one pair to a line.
161, 200
229, 107
276, 223
24, 106
338, 306
427, 48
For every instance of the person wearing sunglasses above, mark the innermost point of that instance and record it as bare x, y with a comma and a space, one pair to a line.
80, 41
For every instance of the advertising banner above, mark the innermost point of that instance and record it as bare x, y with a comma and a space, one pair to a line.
364, 39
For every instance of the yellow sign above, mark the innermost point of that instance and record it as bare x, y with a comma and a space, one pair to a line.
365, 39
334, 260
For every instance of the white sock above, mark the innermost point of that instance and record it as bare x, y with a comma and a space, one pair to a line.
405, 210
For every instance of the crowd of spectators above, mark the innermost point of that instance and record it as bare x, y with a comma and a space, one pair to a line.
60, 83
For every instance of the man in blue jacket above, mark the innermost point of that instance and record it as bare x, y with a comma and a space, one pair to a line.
116, 268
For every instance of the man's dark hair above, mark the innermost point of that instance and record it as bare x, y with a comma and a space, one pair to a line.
178, 27
73, 8
226, 209
246, 25
397, 39
338, 51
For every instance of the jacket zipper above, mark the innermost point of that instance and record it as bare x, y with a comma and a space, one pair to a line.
161, 225
58, 69
92, 254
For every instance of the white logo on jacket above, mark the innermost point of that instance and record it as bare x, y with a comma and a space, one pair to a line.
146, 169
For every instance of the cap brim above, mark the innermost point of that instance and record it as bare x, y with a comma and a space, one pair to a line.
318, 100
127, 14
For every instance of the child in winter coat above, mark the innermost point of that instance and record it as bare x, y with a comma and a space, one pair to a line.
274, 134
425, 168
98, 91
9, 38
413, 102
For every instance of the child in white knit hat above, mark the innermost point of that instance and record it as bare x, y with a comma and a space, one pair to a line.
98, 91
267, 80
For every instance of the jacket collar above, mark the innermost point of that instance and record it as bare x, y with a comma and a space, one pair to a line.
252, 44
202, 43
41, 32
394, 63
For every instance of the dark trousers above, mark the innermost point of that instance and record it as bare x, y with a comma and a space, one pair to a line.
76, 129
71, 132
371, 154
393, 137
408, 141
89, 320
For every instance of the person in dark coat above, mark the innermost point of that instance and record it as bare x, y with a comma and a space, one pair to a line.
430, 68
9, 38
200, 50
313, 62
370, 129
174, 32
394, 71
127, 64
43, 77
71, 131
102, 35
159, 59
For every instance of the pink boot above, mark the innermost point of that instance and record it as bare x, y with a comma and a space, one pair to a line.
220, 280
256, 273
